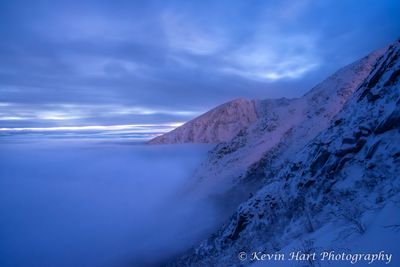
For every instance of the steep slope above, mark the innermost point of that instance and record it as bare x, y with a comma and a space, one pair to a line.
283, 127
217, 125
332, 191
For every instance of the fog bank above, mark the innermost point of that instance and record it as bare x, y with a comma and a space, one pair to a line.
80, 204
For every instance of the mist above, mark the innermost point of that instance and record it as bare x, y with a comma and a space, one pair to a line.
98, 204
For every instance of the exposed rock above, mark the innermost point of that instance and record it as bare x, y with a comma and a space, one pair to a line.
361, 176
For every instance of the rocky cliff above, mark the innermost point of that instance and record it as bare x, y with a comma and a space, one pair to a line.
326, 175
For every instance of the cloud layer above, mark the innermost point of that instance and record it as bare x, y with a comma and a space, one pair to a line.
91, 62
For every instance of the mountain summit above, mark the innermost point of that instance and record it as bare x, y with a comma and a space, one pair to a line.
281, 128
215, 126
323, 171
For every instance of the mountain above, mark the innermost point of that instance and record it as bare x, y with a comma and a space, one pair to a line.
217, 125
323, 170
282, 127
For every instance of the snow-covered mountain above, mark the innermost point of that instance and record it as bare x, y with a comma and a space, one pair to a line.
283, 127
217, 125
323, 170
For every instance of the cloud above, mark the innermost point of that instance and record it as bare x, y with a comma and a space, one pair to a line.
54, 115
137, 128
169, 60
88, 23
291, 11
100, 205
81, 115
11, 118
186, 35
103, 66
273, 58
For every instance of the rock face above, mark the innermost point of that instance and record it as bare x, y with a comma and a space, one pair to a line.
217, 125
329, 158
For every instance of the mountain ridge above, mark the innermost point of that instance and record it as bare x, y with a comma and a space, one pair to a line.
284, 125
217, 125
337, 177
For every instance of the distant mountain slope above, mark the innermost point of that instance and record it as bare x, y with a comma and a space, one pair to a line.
283, 127
328, 192
217, 125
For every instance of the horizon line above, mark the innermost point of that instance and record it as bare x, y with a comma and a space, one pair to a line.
94, 127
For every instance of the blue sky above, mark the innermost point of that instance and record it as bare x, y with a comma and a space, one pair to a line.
71, 63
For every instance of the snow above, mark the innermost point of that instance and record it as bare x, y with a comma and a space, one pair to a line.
283, 127
325, 174
379, 237
217, 125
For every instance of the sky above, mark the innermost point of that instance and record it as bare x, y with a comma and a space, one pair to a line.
95, 63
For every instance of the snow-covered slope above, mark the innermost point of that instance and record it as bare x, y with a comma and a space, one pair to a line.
331, 191
217, 125
283, 127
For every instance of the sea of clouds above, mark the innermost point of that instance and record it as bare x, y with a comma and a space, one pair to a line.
65, 203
